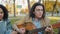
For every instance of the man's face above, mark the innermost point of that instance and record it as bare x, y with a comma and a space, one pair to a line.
38, 11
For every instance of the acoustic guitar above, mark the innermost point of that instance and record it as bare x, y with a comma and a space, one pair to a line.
29, 27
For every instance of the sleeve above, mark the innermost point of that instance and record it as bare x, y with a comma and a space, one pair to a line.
19, 22
9, 27
47, 20
49, 24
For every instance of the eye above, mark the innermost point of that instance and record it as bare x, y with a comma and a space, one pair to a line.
39, 9
1, 12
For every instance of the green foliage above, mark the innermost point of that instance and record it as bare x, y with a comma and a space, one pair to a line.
53, 21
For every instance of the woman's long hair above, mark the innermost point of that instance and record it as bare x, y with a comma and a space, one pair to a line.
5, 11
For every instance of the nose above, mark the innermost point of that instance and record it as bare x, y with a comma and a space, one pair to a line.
39, 12
0, 14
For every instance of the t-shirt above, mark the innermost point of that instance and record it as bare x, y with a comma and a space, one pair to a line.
37, 24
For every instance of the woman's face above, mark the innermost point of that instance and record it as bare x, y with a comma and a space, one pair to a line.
1, 14
38, 11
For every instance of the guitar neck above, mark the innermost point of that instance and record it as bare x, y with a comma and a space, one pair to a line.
57, 25
37, 30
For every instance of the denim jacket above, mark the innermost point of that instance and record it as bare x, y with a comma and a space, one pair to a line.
5, 27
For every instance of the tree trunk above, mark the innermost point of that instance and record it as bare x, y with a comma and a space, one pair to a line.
54, 6
14, 8
39, 1
28, 4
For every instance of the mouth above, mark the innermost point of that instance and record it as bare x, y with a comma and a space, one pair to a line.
40, 15
0, 16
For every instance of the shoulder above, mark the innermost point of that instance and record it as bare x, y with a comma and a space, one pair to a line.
47, 21
26, 19
7, 20
21, 21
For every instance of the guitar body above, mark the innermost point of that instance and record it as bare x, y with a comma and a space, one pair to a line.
28, 26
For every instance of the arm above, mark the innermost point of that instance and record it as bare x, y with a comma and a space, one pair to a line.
15, 27
8, 27
49, 27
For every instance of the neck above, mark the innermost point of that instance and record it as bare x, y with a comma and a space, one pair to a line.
37, 19
0, 19
22, 33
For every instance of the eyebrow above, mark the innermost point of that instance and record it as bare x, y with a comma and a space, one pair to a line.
39, 9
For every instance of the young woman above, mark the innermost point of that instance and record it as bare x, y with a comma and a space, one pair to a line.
37, 17
5, 25
37, 14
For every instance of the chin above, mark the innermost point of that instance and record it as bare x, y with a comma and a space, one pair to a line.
39, 17
1, 18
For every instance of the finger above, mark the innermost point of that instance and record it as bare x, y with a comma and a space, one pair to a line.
14, 32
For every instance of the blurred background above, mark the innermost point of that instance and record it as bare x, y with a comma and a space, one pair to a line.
20, 8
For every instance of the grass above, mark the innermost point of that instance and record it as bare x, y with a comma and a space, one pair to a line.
53, 21
14, 19
54, 18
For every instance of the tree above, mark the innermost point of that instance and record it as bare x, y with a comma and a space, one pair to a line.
54, 6
14, 8
39, 1
28, 4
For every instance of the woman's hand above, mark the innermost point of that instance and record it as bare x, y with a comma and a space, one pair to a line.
22, 30
48, 29
34, 27
14, 32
